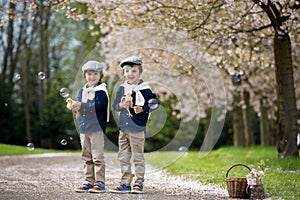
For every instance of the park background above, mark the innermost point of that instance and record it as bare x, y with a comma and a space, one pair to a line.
254, 44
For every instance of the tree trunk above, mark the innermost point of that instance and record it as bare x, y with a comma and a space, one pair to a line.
238, 126
287, 111
273, 131
247, 120
8, 54
44, 13
264, 125
26, 92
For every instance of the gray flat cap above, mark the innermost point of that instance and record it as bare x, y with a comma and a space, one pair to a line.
92, 65
131, 60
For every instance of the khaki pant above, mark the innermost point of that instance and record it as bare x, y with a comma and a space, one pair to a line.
131, 145
92, 156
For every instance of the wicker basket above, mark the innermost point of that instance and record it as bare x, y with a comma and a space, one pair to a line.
237, 186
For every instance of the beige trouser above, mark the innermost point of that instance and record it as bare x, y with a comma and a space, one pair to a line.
131, 145
92, 156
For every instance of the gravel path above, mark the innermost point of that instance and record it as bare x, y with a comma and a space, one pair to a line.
54, 176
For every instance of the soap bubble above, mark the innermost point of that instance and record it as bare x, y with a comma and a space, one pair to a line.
153, 104
175, 47
17, 77
30, 146
64, 92
64, 142
236, 78
42, 75
183, 150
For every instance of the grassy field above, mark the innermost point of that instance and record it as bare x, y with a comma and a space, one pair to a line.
10, 150
281, 180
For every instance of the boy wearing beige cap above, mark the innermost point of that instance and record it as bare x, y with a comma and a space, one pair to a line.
92, 113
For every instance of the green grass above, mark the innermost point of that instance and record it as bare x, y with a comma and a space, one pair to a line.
281, 180
10, 150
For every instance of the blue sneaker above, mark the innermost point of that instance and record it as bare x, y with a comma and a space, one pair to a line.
137, 189
122, 188
98, 188
84, 188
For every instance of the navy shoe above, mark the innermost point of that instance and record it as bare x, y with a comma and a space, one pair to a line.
98, 188
137, 189
122, 188
84, 188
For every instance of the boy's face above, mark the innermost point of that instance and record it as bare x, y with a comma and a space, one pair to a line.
92, 77
132, 74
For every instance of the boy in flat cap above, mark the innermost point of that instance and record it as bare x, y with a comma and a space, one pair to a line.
92, 112
134, 114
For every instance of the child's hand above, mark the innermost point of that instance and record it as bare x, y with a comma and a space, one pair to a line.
76, 107
138, 109
124, 104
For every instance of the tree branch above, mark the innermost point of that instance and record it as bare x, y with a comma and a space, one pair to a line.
251, 30
207, 16
270, 12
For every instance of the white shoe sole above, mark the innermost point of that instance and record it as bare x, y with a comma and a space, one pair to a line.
119, 191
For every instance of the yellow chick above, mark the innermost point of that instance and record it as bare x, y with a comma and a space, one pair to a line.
70, 103
128, 98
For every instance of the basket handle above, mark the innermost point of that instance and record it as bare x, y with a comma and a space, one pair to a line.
236, 166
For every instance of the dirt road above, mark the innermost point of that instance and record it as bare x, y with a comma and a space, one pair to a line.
54, 176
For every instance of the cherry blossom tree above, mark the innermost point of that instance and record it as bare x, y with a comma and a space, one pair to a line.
254, 42
281, 15
242, 35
